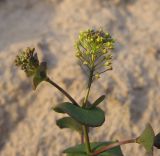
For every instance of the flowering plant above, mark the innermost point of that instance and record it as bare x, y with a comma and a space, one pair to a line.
93, 49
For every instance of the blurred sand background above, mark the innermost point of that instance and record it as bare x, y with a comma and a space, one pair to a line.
27, 124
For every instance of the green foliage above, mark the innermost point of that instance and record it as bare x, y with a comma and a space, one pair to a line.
40, 75
93, 49
79, 150
146, 139
90, 117
68, 122
98, 101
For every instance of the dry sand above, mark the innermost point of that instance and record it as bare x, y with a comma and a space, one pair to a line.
27, 124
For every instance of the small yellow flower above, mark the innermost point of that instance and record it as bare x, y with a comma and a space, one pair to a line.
95, 46
28, 61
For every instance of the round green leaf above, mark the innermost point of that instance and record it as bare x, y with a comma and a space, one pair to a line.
90, 117
68, 122
79, 150
146, 139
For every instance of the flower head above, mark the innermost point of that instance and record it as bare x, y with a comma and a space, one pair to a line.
93, 49
28, 61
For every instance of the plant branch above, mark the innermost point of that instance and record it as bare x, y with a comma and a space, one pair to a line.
108, 147
88, 88
82, 137
85, 128
62, 91
105, 70
86, 137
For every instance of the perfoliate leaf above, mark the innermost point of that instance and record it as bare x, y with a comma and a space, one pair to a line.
98, 101
68, 122
40, 75
157, 141
90, 117
146, 139
36, 81
79, 150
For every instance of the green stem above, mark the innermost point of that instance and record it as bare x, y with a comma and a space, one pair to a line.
62, 91
86, 137
85, 128
108, 147
88, 88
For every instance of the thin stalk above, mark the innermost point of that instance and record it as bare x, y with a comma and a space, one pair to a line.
62, 91
82, 137
86, 137
106, 148
85, 128
88, 88
99, 64
82, 60
105, 70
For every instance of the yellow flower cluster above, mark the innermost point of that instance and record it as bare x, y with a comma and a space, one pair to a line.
93, 49
28, 61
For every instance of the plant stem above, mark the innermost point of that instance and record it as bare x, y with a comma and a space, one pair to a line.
85, 128
86, 137
106, 148
82, 137
88, 88
62, 91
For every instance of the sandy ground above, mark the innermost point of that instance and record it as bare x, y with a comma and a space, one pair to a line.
27, 124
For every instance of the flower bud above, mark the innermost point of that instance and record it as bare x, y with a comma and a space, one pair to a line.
28, 61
